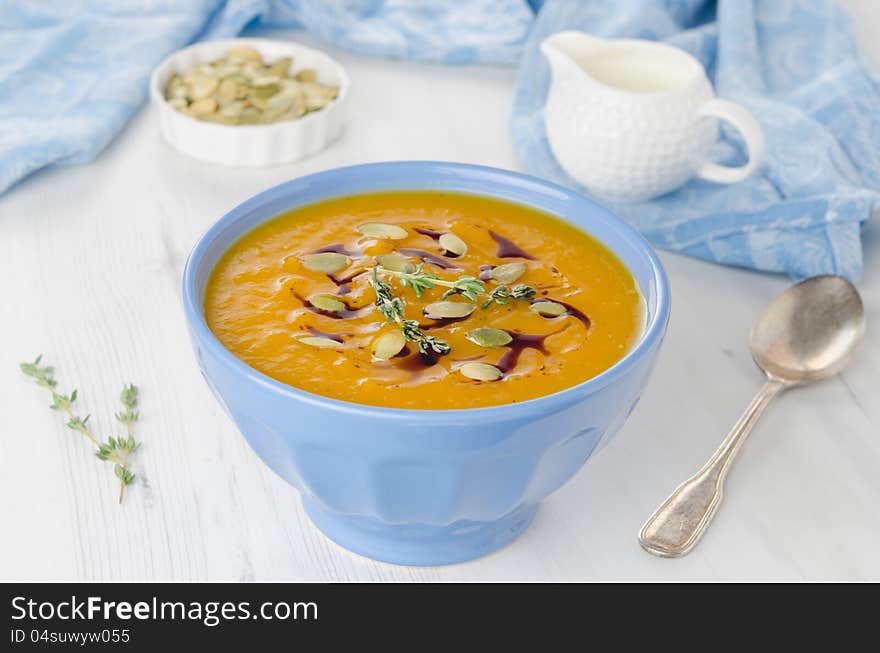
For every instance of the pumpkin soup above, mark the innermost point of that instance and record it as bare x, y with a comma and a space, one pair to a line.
425, 300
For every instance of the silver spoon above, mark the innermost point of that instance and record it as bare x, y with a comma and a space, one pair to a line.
807, 333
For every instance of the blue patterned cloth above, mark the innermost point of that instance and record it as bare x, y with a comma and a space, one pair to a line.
795, 65
72, 73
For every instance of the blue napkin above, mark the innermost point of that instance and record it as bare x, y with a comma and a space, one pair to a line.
73, 73
795, 65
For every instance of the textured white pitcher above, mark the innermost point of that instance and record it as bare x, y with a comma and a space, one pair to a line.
632, 119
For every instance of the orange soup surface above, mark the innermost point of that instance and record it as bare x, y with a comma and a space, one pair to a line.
532, 306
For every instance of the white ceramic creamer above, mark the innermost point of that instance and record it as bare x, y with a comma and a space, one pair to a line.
632, 119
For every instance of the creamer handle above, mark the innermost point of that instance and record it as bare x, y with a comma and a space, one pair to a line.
745, 122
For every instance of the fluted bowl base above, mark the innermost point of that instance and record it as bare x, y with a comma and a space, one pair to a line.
419, 544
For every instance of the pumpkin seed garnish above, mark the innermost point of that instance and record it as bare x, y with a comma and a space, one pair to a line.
395, 262
203, 107
381, 230
508, 272
453, 244
447, 309
480, 371
326, 262
489, 337
548, 308
388, 345
320, 342
327, 303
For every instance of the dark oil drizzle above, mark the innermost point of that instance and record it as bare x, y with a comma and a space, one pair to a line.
416, 362
521, 341
571, 311
343, 289
345, 314
509, 249
436, 236
323, 334
343, 281
428, 257
339, 248
430, 233
438, 322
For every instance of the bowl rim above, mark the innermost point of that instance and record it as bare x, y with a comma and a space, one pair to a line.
545, 404
157, 97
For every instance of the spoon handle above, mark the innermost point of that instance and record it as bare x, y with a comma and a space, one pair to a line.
677, 525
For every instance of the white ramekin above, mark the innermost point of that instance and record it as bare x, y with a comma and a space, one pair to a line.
250, 145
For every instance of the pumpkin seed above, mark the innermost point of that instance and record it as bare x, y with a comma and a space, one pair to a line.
233, 109
307, 75
443, 309
203, 107
388, 345
382, 230
280, 102
394, 261
226, 92
548, 308
489, 337
453, 244
250, 116
243, 53
480, 371
265, 80
281, 67
326, 262
202, 88
327, 303
176, 88
318, 95
320, 342
508, 272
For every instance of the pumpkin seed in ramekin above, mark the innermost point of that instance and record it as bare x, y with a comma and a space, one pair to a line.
265, 92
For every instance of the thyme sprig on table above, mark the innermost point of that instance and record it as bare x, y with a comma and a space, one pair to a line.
467, 286
391, 308
116, 450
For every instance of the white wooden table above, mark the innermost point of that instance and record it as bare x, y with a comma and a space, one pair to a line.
90, 263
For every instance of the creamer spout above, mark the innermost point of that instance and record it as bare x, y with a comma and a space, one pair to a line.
568, 51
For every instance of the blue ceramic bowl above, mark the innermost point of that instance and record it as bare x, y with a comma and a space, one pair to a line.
425, 487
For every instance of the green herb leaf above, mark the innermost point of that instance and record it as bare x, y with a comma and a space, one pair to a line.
115, 449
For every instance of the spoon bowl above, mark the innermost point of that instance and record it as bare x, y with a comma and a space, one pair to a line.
809, 331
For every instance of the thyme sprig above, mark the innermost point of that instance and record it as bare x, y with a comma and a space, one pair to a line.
391, 307
467, 286
116, 450
502, 295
